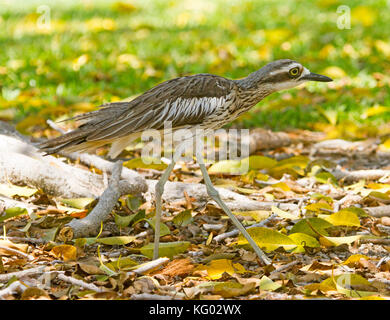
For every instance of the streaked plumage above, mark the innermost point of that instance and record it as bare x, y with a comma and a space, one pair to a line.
202, 100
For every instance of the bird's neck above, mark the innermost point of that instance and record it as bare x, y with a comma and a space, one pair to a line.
252, 90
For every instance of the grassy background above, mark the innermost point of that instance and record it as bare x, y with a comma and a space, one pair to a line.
99, 51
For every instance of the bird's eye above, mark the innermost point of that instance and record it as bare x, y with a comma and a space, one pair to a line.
294, 71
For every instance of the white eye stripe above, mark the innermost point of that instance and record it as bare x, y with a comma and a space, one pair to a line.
285, 69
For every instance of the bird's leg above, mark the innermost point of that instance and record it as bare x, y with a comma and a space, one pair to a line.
214, 194
159, 190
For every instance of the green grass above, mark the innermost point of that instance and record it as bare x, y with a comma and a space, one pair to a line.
99, 51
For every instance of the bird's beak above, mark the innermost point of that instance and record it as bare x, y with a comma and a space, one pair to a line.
316, 77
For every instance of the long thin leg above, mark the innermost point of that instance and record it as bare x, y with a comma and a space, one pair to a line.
159, 191
214, 194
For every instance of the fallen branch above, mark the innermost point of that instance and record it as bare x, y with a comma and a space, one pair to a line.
378, 212
147, 267
90, 224
17, 253
6, 203
352, 176
19, 274
174, 191
148, 296
13, 288
22, 163
80, 283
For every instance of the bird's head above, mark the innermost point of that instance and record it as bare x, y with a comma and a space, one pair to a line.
283, 74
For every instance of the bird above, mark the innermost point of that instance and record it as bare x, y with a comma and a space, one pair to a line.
203, 101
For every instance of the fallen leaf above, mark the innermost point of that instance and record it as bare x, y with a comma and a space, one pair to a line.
166, 249
65, 252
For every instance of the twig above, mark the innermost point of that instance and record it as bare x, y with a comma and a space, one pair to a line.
376, 241
29, 272
31, 240
285, 267
150, 266
91, 223
351, 176
235, 232
17, 252
148, 296
80, 283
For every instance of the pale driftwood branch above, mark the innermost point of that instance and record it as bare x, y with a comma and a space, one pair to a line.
13, 288
90, 224
21, 239
145, 268
148, 296
22, 163
17, 253
378, 212
19, 274
174, 191
6, 203
80, 283
352, 176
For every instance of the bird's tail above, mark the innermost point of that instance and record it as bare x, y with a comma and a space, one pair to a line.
73, 141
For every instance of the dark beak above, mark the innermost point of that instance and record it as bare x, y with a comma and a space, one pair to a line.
316, 77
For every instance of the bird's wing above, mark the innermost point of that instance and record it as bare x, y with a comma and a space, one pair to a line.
182, 101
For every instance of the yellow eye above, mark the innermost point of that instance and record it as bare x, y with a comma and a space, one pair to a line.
294, 72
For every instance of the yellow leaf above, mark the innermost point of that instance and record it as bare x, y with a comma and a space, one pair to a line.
229, 167
352, 260
12, 212
216, 268
268, 285
281, 185
283, 214
166, 249
112, 241
268, 239
260, 162
99, 24
373, 111
319, 206
65, 252
303, 239
79, 62
364, 15
10, 190
343, 218
383, 47
257, 215
277, 36
145, 163
337, 241
344, 282
334, 72
306, 225
78, 203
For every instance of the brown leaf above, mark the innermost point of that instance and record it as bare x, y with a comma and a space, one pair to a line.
33, 293
178, 267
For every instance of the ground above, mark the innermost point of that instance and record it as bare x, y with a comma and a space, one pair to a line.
325, 222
